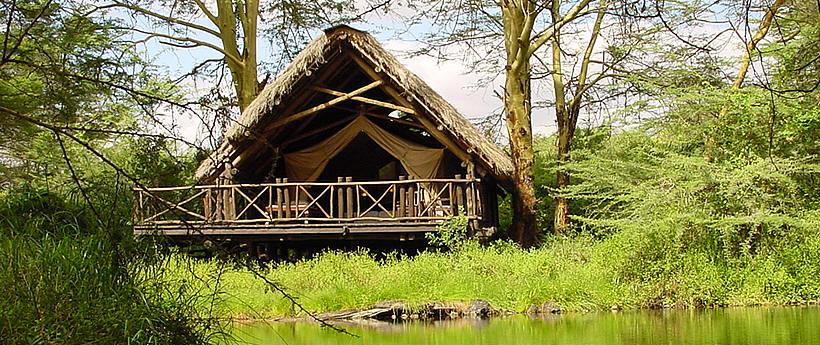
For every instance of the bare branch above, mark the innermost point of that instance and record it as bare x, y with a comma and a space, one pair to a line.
557, 24
160, 16
196, 43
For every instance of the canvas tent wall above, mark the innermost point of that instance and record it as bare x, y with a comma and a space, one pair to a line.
419, 161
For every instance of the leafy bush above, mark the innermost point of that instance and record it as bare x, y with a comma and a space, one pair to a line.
451, 234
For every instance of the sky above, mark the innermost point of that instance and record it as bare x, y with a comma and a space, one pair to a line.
452, 79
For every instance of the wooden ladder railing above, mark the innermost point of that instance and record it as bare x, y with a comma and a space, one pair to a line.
405, 200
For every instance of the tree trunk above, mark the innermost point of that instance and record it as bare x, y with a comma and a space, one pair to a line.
518, 23
241, 64
565, 130
519, 124
561, 218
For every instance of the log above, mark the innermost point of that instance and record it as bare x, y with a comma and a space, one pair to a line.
349, 198
402, 198
287, 199
340, 198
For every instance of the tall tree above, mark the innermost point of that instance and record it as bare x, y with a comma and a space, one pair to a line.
521, 42
567, 111
524, 27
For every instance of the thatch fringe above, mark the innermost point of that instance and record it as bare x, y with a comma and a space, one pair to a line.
263, 108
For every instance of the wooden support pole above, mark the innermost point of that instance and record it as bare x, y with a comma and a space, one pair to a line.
218, 213
459, 192
279, 198
270, 202
287, 199
288, 119
470, 200
206, 207
231, 206
349, 198
383, 104
411, 200
452, 191
340, 198
402, 198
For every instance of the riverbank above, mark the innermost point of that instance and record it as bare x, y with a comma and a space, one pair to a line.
623, 271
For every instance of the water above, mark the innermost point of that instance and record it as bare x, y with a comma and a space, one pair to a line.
758, 326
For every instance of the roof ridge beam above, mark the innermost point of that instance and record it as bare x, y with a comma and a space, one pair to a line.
382, 104
323, 106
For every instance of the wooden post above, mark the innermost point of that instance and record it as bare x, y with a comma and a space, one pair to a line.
230, 206
227, 201
270, 203
287, 199
459, 192
470, 203
278, 199
206, 204
411, 200
349, 198
218, 213
402, 197
340, 196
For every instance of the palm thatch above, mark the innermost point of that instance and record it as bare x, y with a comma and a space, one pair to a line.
264, 108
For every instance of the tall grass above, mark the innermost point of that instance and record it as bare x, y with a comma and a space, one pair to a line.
645, 269
65, 278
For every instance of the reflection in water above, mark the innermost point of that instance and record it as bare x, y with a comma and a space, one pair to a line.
725, 326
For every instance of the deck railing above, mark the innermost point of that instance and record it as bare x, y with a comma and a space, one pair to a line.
405, 200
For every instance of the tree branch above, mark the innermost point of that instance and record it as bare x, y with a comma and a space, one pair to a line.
582, 75
162, 17
550, 32
196, 42
762, 30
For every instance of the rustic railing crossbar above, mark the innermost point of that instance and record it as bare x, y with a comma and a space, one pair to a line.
405, 200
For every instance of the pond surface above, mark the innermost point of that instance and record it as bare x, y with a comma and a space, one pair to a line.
759, 326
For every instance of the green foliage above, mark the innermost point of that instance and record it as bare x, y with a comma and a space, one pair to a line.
451, 234
66, 281
653, 266
64, 68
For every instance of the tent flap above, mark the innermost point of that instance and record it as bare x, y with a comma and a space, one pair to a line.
420, 161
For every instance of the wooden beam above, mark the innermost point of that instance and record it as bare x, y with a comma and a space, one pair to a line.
325, 105
388, 105
430, 126
345, 80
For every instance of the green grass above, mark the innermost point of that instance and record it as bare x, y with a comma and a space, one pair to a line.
627, 270
65, 280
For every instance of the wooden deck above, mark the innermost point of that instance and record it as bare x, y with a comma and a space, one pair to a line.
396, 210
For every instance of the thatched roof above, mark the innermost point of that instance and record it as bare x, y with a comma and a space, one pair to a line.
264, 108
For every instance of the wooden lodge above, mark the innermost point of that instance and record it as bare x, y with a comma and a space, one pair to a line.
346, 143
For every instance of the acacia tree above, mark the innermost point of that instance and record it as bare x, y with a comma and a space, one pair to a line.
521, 42
524, 27
567, 111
